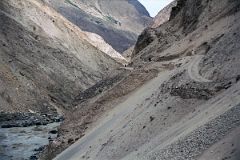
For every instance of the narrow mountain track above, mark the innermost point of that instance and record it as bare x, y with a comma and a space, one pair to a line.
193, 70
113, 120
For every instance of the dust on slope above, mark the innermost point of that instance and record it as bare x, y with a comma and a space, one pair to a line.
187, 108
92, 104
45, 62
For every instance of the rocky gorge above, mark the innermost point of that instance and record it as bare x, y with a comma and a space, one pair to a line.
65, 82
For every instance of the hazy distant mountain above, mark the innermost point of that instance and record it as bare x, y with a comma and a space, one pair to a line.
118, 22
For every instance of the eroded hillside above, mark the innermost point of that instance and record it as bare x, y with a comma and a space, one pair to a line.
118, 22
179, 98
190, 107
45, 60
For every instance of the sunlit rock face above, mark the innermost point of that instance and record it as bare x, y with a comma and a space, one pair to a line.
163, 15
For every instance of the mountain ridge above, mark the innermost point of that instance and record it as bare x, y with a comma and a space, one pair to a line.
117, 22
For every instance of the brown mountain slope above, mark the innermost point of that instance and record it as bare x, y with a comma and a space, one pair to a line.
118, 22
45, 60
190, 110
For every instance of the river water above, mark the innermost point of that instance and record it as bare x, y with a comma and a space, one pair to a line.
20, 143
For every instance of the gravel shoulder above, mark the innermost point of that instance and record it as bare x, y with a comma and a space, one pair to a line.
227, 148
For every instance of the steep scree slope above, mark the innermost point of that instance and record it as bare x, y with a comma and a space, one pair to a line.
45, 61
190, 110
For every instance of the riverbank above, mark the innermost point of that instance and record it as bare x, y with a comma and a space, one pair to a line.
25, 135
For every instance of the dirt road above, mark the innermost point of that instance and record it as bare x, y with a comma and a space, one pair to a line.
193, 70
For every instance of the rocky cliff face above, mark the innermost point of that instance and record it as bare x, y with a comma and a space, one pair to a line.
184, 19
45, 59
117, 22
164, 15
